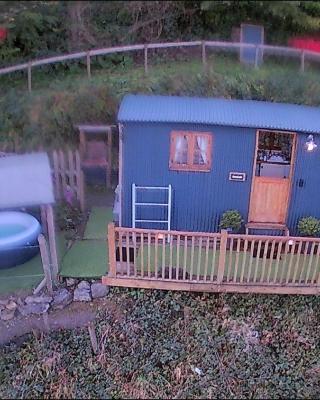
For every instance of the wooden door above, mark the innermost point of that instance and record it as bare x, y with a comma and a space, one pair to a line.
269, 200
270, 195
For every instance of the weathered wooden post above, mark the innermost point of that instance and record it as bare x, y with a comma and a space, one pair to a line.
29, 77
146, 58
45, 262
256, 58
302, 58
52, 242
112, 250
44, 220
222, 256
204, 56
93, 337
80, 182
88, 65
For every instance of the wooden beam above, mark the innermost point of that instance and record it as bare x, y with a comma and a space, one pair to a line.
44, 220
29, 78
80, 182
146, 59
203, 56
109, 146
222, 255
52, 242
90, 128
111, 243
111, 50
302, 59
41, 285
88, 65
45, 263
256, 57
93, 337
209, 286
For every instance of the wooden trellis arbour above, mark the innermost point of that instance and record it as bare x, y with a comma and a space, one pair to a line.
96, 147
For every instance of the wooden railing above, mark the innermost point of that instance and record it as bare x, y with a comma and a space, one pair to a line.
302, 55
68, 179
213, 262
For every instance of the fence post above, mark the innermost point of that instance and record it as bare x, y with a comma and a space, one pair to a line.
256, 57
45, 262
222, 256
52, 242
56, 172
44, 220
80, 182
302, 61
318, 279
146, 58
112, 250
93, 337
204, 57
88, 65
29, 77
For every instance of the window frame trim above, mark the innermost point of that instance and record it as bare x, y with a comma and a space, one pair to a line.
191, 137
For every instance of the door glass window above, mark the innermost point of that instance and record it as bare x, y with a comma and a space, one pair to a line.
274, 154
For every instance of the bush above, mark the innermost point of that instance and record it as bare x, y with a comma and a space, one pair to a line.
309, 226
231, 220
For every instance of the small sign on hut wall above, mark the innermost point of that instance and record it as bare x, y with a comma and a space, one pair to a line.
237, 176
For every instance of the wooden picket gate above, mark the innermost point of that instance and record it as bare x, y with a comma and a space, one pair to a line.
68, 176
212, 262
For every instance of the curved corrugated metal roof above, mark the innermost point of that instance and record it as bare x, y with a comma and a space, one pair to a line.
242, 113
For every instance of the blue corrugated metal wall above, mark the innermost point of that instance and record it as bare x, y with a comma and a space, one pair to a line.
305, 200
199, 198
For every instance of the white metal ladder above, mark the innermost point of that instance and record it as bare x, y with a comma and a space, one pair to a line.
142, 204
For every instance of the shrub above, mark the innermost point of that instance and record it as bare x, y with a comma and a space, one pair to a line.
309, 226
231, 220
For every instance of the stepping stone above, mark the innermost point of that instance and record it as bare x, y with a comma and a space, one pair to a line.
38, 299
99, 290
33, 308
81, 295
61, 299
6, 314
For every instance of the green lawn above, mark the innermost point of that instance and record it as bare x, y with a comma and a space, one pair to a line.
86, 259
248, 267
97, 224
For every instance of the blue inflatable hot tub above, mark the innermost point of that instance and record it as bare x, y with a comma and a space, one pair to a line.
18, 238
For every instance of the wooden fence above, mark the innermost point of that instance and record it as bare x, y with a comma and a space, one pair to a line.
213, 262
68, 176
302, 55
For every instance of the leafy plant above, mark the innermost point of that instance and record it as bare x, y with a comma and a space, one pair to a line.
69, 220
231, 220
309, 226
158, 344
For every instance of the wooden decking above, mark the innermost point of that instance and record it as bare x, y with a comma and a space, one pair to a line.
213, 262
267, 226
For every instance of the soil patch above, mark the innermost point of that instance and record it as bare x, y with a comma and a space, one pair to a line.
76, 315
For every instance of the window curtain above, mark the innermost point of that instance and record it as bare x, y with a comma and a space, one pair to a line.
181, 149
202, 143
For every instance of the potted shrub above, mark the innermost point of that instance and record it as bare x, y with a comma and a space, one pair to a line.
231, 220
309, 226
